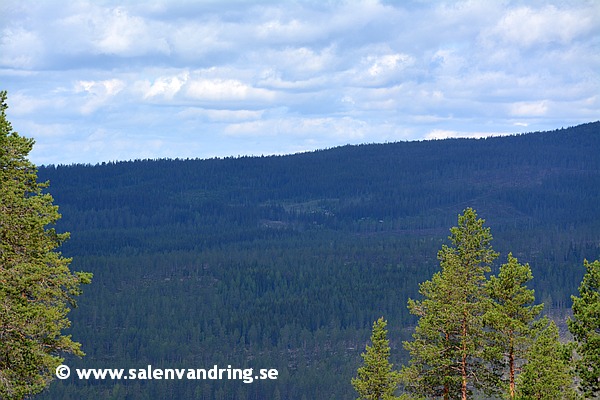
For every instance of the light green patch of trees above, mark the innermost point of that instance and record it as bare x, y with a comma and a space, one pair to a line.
483, 336
376, 379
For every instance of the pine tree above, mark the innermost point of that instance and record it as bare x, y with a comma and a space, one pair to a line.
511, 317
36, 285
447, 347
376, 380
585, 327
547, 374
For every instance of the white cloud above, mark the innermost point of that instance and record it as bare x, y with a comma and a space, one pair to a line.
388, 64
22, 104
295, 63
525, 27
276, 30
225, 90
20, 48
119, 33
164, 86
446, 134
449, 62
379, 66
47, 131
97, 93
272, 79
211, 75
342, 129
529, 109
221, 115
193, 40
111, 31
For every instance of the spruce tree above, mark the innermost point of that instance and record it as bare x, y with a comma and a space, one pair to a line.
37, 288
447, 347
510, 319
376, 380
585, 327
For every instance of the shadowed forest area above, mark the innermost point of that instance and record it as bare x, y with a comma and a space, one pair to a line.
285, 261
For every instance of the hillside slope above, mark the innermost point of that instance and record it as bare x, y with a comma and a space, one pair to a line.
285, 261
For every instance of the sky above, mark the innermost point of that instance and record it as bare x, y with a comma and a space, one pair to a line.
105, 80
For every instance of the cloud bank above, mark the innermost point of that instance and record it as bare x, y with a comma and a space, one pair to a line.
113, 80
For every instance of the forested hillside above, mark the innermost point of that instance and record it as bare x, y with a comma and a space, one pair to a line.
285, 261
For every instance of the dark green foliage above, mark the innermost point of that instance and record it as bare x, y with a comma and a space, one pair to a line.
510, 318
585, 327
475, 332
285, 261
376, 379
547, 373
447, 347
37, 288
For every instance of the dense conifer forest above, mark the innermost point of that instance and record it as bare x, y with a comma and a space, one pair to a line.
285, 261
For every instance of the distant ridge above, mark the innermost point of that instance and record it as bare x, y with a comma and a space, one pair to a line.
571, 129
285, 261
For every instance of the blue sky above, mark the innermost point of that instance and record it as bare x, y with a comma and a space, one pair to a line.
106, 80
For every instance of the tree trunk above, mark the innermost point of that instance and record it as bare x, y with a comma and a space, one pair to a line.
446, 387
511, 363
463, 366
